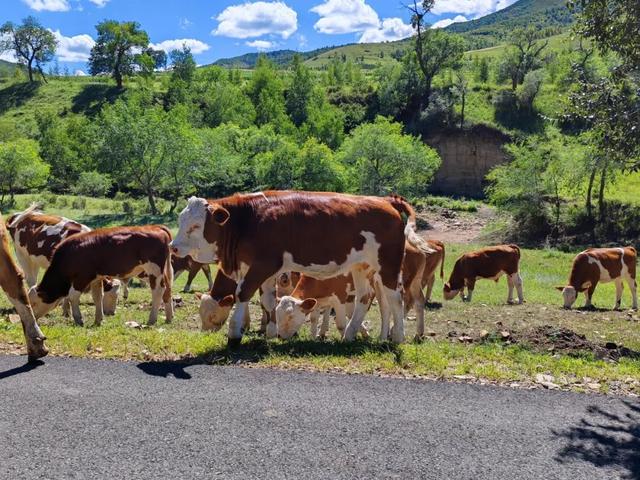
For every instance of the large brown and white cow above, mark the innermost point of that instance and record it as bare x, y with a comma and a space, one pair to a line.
12, 282
596, 265
257, 236
82, 261
486, 263
35, 237
189, 265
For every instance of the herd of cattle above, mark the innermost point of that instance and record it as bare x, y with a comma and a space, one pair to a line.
308, 255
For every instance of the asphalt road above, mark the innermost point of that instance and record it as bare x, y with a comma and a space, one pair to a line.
85, 419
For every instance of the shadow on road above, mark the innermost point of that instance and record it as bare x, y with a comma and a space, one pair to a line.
258, 348
27, 367
605, 440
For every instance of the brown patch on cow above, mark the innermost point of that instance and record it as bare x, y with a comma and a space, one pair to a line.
484, 263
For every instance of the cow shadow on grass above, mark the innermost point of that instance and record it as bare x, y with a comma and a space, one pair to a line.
257, 349
605, 439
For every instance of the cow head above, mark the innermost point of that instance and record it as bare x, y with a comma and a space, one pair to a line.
291, 313
214, 313
199, 230
111, 289
40, 305
569, 294
450, 293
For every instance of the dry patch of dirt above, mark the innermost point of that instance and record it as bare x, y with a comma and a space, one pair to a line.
451, 226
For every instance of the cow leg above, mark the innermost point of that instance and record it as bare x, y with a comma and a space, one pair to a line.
418, 304
517, 280
157, 291
264, 320
66, 308
469, 295
207, 273
619, 290
74, 300
510, 287
247, 287
246, 321
385, 312
125, 289
633, 286
430, 283
341, 319
268, 301
589, 295
361, 285
167, 285
313, 323
97, 293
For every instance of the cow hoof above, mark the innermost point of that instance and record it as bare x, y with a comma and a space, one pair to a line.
234, 343
418, 338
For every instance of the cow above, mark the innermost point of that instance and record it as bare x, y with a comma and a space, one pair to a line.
596, 265
83, 260
216, 305
12, 283
490, 263
314, 298
36, 235
257, 236
188, 264
431, 264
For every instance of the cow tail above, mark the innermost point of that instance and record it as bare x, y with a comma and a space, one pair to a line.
516, 248
442, 262
17, 217
411, 229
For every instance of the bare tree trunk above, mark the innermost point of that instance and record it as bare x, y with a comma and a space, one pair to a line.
152, 202
589, 204
601, 203
30, 69
462, 111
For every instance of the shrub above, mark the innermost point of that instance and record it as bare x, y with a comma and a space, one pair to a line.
93, 184
79, 203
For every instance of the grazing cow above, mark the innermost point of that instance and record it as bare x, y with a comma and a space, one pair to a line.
257, 236
188, 264
312, 297
490, 263
35, 237
216, 305
12, 282
83, 260
601, 265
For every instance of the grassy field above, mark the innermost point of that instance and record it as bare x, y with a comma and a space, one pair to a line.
486, 340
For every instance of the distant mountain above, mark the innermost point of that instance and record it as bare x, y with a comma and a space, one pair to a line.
279, 57
549, 17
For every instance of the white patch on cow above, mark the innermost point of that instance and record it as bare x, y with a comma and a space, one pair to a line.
569, 295
368, 255
605, 275
190, 238
41, 244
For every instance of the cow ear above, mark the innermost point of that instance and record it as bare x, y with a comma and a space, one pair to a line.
308, 305
559, 288
220, 215
227, 301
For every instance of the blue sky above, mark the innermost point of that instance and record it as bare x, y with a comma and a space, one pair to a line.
223, 28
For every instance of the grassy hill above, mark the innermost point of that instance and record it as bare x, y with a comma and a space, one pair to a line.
279, 57
7, 68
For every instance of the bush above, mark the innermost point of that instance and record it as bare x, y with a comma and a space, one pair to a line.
79, 203
93, 184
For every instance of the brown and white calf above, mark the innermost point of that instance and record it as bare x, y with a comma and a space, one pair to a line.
189, 265
12, 282
314, 298
486, 263
257, 236
215, 306
36, 235
596, 265
82, 261
433, 260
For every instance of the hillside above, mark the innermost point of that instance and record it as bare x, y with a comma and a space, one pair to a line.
279, 57
7, 68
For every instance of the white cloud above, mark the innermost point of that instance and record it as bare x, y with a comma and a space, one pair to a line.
445, 22
196, 46
79, 73
185, 23
254, 19
73, 49
475, 8
390, 30
261, 45
48, 5
345, 16
99, 3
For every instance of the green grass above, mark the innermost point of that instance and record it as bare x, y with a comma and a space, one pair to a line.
440, 356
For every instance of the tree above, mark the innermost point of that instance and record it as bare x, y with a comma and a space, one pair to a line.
299, 93
435, 50
32, 44
21, 168
266, 91
459, 90
483, 70
184, 65
114, 50
381, 160
522, 56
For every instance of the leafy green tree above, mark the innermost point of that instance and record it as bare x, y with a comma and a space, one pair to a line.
93, 184
114, 50
184, 65
317, 170
276, 169
380, 160
33, 44
266, 91
224, 102
300, 91
324, 121
21, 168
523, 55
483, 70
